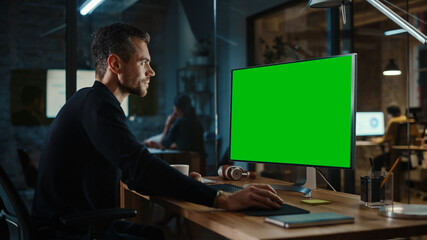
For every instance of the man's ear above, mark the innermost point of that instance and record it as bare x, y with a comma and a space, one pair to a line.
114, 63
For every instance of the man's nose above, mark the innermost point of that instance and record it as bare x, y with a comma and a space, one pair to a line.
150, 72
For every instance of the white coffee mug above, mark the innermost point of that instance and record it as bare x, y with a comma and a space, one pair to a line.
183, 168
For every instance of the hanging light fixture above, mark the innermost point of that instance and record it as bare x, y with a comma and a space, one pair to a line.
391, 69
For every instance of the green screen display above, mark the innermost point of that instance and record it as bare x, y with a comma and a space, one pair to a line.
295, 113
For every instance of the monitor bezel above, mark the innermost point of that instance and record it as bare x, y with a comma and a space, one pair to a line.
353, 112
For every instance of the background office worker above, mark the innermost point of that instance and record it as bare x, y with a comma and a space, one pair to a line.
89, 148
395, 116
182, 130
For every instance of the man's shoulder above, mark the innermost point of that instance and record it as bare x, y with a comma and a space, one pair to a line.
95, 93
97, 88
88, 99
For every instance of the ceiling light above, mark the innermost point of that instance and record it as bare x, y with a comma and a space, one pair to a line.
391, 69
416, 33
394, 32
88, 6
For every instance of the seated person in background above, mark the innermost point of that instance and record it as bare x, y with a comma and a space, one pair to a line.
182, 130
28, 133
395, 115
89, 148
389, 137
33, 106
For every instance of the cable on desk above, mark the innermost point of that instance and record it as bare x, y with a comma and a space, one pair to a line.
324, 178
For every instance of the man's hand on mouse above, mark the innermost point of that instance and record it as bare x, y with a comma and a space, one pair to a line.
196, 176
255, 195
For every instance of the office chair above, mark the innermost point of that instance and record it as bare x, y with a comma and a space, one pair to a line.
402, 133
30, 172
423, 126
401, 138
15, 221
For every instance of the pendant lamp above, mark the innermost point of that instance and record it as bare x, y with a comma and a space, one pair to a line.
391, 69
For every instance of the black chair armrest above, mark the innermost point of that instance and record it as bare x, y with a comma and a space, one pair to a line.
97, 217
9, 218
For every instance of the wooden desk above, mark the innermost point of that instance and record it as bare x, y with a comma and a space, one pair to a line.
144, 208
197, 163
234, 225
410, 147
365, 143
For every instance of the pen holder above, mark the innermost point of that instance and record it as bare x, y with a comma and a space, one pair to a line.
373, 192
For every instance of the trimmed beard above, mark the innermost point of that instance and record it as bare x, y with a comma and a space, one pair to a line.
135, 91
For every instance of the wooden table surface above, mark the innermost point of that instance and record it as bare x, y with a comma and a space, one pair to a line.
410, 147
235, 225
366, 143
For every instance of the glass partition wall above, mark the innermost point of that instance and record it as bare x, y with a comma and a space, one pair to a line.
254, 33
251, 33
32, 40
381, 48
34, 68
181, 49
194, 46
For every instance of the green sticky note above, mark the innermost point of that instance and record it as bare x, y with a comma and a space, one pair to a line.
315, 201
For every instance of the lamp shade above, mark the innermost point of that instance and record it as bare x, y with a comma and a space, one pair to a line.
391, 69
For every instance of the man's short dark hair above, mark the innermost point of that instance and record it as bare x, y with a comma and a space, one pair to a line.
394, 110
114, 39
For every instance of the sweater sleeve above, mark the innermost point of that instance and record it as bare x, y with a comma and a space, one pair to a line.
142, 171
159, 179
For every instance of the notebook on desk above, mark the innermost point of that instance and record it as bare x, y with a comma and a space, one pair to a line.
286, 209
307, 220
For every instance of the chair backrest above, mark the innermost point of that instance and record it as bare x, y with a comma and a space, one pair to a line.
13, 211
423, 126
402, 133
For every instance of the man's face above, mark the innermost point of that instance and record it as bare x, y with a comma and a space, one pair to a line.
136, 73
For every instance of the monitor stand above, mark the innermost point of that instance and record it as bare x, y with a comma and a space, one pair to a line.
306, 181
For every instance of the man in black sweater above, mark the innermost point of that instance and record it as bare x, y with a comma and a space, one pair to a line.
89, 148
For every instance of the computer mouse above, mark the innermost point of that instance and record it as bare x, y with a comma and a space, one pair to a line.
246, 185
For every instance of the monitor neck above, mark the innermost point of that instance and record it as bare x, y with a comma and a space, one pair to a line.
306, 181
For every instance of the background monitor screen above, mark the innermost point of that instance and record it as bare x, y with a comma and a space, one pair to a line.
55, 89
370, 124
299, 113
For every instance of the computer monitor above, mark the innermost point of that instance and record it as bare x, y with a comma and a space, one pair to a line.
55, 89
370, 124
299, 113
